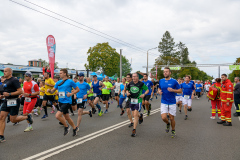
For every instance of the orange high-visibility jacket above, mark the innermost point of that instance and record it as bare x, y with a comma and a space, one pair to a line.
227, 91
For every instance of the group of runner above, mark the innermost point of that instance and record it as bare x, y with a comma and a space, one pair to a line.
67, 94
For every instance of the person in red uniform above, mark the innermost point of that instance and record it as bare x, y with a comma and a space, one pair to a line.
227, 101
43, 70
217, 101
30, 92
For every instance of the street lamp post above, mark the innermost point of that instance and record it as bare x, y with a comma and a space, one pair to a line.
147, 57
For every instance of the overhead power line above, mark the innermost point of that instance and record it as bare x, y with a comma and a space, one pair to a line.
111, 37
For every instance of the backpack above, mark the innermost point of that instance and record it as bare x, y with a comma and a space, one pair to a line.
214, 92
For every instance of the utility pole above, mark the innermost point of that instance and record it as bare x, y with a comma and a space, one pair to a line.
121, 65
147, 58
219, 72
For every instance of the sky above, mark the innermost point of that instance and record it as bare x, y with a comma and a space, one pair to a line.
210, 30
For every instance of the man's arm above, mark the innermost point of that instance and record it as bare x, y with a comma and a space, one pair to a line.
16, 93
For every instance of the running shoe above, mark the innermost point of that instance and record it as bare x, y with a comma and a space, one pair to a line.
144, 111
212, 117
173, 134
28, 129
156, 97
66, 130
151, 99
186, 117
150, 107
148, 114
90, 113
30, 119
130, 125
133, 133
2, 139
15, 124
180, 111
60, 123
122, 113
77, 128
36, 114
52, 112
100, 113
104, 105
75, 131
44, 116
140, 118
106, 111
167, 128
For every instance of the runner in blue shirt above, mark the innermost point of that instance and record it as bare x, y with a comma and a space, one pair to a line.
82, 98
179, 96
146, 98
198, 89
188, 94
64, 88
96, 86
168, 88
122, 97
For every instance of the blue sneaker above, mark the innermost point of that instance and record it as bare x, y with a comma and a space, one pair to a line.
44, 116
106, 112
156, 97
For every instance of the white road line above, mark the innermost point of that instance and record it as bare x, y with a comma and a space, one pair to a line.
57, 150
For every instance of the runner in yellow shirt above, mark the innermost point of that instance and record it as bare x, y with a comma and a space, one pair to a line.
106, 93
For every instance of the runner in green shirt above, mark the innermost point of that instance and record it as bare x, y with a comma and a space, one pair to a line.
106, 93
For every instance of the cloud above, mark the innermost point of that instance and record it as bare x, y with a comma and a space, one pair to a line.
210, 29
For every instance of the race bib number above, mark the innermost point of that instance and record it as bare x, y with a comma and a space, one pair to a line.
95, 94
116, 90
79, 100
41, 97
105, 87
198, 88
11, 102
134, 101
186, 96
126, 99
27, 99
61, 94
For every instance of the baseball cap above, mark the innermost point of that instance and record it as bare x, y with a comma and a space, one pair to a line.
28, 73
81, 74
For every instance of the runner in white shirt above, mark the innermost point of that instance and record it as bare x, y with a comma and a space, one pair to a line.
117, 89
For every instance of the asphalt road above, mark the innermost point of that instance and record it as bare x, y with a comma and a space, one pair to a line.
108, 137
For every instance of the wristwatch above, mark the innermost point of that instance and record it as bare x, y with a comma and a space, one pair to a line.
9, 94
30, 94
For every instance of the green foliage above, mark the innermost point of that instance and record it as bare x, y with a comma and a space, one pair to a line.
104, 58
46, 64
235, 73
171, 54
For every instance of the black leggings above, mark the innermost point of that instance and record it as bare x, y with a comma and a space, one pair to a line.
198, 94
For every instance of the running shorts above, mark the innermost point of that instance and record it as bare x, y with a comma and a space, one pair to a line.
64, 107
147, 97
137, 107
105, 97
13, 110
81, 105
28, 106
49, 98
168, 108
179, 98
187, 102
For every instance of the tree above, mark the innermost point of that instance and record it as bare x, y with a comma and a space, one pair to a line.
235, 73
172, 54
104, 58
45, 63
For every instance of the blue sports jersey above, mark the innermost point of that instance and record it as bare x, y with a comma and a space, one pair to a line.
179, 94
168, 97
121, 89
188, 89
65, 88
149, 84
84, 87
198, 89
96, 88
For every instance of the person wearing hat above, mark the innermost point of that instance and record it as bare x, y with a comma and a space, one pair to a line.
96, 86
30, 92
82, 98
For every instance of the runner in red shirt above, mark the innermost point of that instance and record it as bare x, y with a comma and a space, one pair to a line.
30, 92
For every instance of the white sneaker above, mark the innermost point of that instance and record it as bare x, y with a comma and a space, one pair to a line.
104, 106
197, 98
212, 118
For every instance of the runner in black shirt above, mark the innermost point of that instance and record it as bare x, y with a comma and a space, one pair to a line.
11, 104
134, 92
